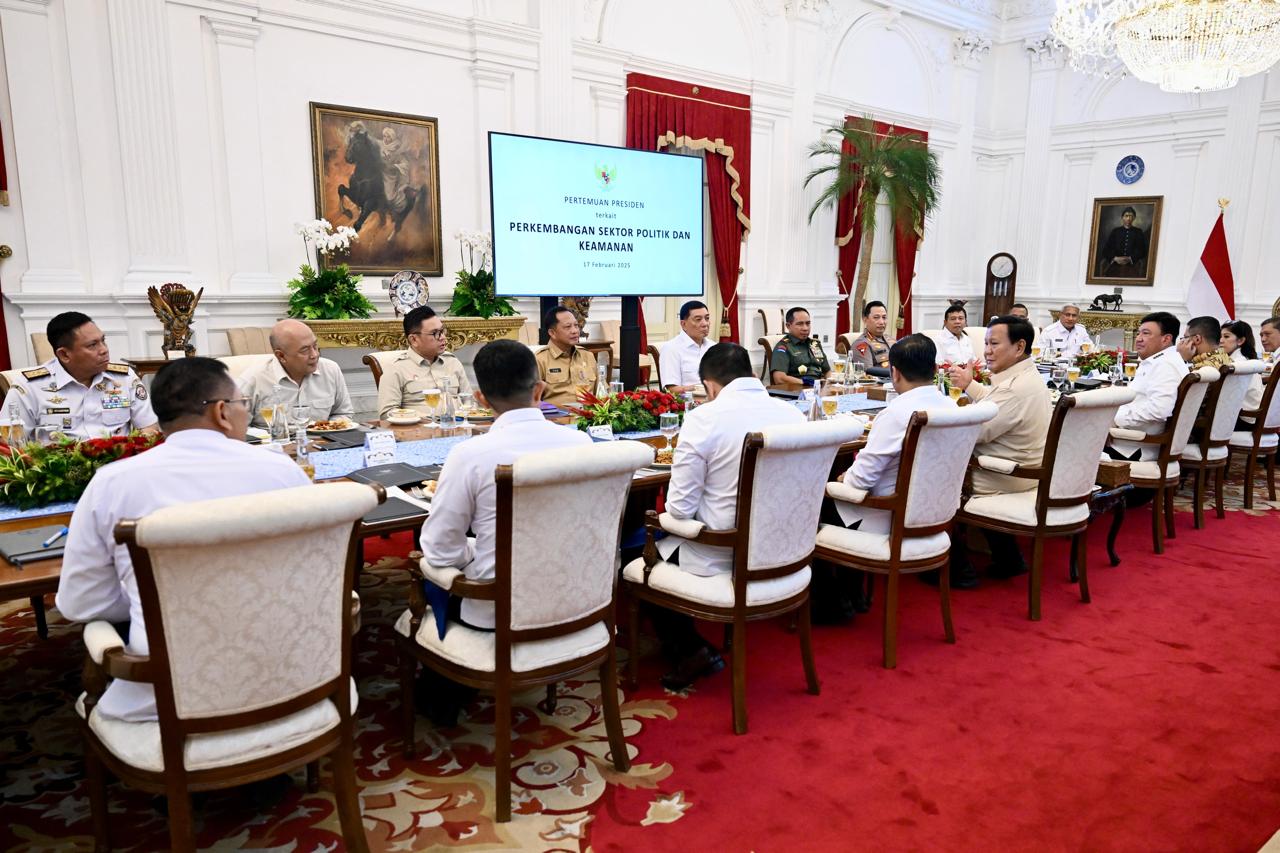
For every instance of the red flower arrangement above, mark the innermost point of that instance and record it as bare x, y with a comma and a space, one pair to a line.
35, 474
630, 411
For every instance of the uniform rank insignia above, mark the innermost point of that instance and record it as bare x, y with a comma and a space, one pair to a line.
36, 373
57, 399
114, 367
139, 390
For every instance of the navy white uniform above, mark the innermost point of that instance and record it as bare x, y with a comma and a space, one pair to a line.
113, 403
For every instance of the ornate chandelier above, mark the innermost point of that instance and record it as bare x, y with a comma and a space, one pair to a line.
1180, 45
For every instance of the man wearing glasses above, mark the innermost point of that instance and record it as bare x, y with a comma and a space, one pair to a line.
204, 456
425, 364
297, 376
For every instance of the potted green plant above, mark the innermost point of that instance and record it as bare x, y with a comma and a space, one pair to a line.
331, 293
867, 163
473, 293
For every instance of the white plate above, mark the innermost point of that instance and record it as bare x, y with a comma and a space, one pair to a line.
406, 420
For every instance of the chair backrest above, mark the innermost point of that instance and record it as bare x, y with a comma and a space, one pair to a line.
249, 340
238, 365
655, 355
40, 347
941, 442
546, 581
1077, 433
1229, 400
1187, 407
611, 330
247, 600
1270, 403
8, 378
781, 482
844, 343
378, 363
767, 343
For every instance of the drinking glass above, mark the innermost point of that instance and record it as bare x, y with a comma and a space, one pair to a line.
953, 391
669, 423
857, 370
1130, 369
279, 424
267, 413
616, 387
1035, 351
1086, 347
1059, 376
431, 399
1073, 373
300, 415
465, 409
830, 405
1117, 374
839, 368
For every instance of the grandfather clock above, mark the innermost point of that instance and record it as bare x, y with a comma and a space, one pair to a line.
1002, 278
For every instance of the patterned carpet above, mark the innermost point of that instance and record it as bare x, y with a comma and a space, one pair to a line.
442, 798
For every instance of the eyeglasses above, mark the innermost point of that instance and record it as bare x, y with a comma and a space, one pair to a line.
244, 401
438, 334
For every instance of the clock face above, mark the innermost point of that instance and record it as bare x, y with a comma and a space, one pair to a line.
1002, 266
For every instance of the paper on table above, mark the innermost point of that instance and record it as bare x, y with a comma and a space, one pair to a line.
397, 492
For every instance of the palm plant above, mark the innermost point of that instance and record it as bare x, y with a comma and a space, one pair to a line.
867, 162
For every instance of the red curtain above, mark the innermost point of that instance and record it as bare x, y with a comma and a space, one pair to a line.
663, 113
849, 243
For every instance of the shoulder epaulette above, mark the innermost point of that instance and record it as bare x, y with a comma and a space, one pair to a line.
37, 373
116, 367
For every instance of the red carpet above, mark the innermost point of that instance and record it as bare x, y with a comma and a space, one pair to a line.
1143, 721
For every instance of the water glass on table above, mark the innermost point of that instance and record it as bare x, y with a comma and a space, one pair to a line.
830, 405
857, 370
431, 399
279, 424
669, 424
1059, 376
465, 408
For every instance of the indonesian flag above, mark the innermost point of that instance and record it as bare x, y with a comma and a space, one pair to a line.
1213, 290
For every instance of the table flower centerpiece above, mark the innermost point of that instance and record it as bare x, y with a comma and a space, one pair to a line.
34, 474
630, 411
1099, 360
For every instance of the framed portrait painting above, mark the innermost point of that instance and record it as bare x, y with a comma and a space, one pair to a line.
379, 173
1123, 240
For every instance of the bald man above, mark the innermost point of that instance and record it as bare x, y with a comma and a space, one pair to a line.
297, 376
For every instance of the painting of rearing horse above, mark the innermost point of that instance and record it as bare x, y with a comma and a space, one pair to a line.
378, 172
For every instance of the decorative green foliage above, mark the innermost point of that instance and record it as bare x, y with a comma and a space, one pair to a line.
473, 296
330, 294
36, 474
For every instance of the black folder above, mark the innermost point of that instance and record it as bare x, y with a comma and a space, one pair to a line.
395, 474
23, 546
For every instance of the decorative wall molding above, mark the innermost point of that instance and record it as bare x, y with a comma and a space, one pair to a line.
969, 49
1045, 52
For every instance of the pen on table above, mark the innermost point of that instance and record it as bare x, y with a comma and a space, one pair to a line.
54, 538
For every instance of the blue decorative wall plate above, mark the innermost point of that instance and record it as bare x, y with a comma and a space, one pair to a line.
1130, 169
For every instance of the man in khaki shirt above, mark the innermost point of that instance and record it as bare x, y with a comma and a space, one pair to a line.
297, 376
425, 364
1017, 432
562, 366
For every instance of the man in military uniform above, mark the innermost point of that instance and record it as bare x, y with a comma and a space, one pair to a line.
562, 366
425, 364
798, 359
871, 348
80, 392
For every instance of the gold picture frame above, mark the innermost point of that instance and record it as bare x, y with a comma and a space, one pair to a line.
1124, 253
379, 172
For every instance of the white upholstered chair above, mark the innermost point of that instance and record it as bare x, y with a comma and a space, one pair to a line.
611, 330
554, 595
935, 453
1059, 505
41, 349
248, 617
1161, 474
1260, 442
239, 365
249, 340
780, 483
767, 344
1221, 411
378, 362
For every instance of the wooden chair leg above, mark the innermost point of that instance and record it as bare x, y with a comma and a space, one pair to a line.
1082, 564
548, 704
1170, 531
1037, 579
1271, 475
42, 625
1117, 519
502, 751
181, 827
346, 792
740, 675
726, 644
805, 627
633, 647
408, 714
1250, 471
891, 617
313, 776
96, 779
1157, 523
944, 594
1219, 507
612, 714
1198, 497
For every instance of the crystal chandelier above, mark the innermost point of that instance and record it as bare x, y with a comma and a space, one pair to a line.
1180, 45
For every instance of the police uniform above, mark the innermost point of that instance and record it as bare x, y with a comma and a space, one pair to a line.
564, 373
872, 352
113, 403
803, 359
409, 374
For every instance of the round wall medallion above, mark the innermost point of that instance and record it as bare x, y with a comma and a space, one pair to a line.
1130, 169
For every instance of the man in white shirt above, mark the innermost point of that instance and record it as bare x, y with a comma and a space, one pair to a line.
297, 376
954, 346
1066, 335
1017, 433
680, 356
204, 456
704, 487
1155, 383
1269, 334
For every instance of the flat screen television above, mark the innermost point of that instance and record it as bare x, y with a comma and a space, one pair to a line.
576, 219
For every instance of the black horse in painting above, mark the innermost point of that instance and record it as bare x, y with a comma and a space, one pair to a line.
368, 187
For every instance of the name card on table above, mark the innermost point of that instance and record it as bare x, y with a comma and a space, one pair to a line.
601, 432
379, 447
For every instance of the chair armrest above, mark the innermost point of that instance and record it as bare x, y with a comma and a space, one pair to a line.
685, 528
995, 463
1128, 434
842, 491
441, 576
100, 636
1251, 413
448, 578
482, 590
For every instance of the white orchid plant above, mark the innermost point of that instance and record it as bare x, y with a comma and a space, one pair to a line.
326, 239
473, 243
473, 294
327, 292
